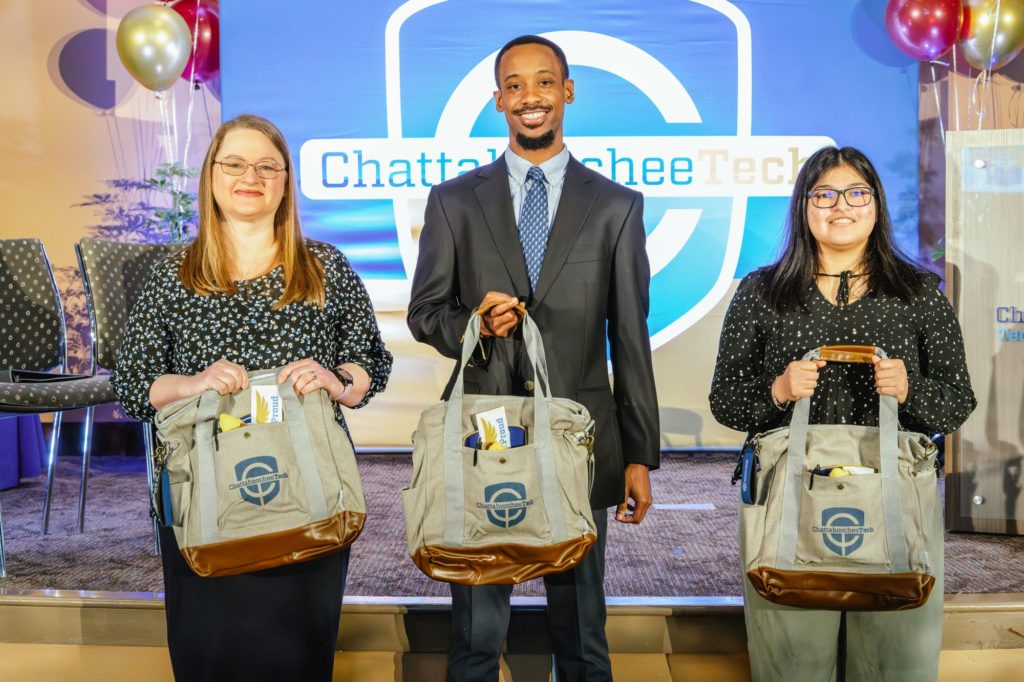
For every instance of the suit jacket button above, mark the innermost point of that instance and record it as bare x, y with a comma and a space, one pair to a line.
528, 385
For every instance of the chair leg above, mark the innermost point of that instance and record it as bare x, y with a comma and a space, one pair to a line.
51, 468
87, 427
3, 557
147, 434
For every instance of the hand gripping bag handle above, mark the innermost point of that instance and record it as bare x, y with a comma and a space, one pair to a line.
294, 417
455, 495
888, 427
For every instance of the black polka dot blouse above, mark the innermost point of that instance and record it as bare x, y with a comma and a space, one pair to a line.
757, 344
172, 330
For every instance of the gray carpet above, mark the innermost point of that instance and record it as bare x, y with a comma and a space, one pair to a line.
675, 552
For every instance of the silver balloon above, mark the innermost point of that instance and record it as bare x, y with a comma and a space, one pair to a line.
154, 44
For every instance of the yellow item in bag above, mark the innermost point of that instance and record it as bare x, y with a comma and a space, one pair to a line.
228, 422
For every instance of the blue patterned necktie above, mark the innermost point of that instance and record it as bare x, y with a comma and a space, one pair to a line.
533, 224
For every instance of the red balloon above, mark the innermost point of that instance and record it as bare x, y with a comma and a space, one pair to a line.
207, 52
924, 29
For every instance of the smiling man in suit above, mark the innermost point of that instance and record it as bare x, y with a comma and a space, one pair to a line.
536, 227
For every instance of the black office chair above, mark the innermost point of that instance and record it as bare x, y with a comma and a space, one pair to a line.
34, 338
114, 274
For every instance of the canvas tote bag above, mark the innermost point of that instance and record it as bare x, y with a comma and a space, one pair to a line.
856, 542
260, 495
479, 517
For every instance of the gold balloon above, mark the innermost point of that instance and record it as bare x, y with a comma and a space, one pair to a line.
154, 44
993, 41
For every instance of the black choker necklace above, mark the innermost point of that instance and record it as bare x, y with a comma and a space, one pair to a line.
843, 295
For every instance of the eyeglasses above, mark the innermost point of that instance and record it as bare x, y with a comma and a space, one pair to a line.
827, 198
265, 170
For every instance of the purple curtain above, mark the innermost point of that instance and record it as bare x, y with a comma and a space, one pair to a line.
22, 449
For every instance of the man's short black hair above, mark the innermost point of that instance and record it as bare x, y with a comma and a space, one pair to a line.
531, 40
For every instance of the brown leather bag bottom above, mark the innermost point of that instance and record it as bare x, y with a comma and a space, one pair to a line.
276, 549
500, 564
842, 591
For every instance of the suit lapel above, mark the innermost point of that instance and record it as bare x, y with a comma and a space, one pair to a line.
496, 204
573, 210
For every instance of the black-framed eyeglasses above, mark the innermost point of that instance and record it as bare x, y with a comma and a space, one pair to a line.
827, 198
264, 169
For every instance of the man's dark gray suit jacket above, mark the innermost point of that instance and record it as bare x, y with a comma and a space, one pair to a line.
593, 291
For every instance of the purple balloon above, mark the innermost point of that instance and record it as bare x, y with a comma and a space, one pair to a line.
214, 85
82, 66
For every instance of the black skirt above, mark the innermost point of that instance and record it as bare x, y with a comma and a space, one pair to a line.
276, 624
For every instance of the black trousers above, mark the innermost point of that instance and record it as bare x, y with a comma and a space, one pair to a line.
576, 617
277, 624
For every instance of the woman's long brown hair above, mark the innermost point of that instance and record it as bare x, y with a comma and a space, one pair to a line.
205, 268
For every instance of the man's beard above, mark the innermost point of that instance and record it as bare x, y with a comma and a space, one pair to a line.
532, 144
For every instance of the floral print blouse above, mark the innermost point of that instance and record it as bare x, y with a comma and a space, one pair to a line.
757, 344
172, 330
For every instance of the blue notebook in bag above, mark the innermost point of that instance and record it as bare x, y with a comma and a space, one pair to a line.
516, 434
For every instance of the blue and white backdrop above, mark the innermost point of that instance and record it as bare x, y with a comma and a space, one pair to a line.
708, 107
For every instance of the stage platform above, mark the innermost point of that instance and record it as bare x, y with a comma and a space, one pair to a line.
114, 637
686, 547
87, 606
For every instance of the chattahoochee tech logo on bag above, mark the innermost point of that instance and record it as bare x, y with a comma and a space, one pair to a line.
690, 149
842, 529
506, 503
259, 480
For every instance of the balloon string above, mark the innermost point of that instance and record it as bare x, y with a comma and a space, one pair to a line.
938, 105
120, 142
118, 166
988, 63
113, 143
206, 110
165, 118
146, 144
995, 35
191, 98
140, 148
171, 149
164, 130
956, 88
977, 108
983, 80
1014, 106
173, 105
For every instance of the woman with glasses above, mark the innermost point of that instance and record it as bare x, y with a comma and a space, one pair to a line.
841, 280
251, 293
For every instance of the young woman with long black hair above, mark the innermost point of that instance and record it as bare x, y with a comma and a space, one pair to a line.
841, 280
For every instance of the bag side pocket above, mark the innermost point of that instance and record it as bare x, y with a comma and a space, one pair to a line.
181, 496
920, 518
752, 535
424, 513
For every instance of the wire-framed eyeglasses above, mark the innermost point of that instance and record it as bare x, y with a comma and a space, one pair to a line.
264, 169
827, 197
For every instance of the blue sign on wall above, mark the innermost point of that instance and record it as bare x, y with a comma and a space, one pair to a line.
706, 106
